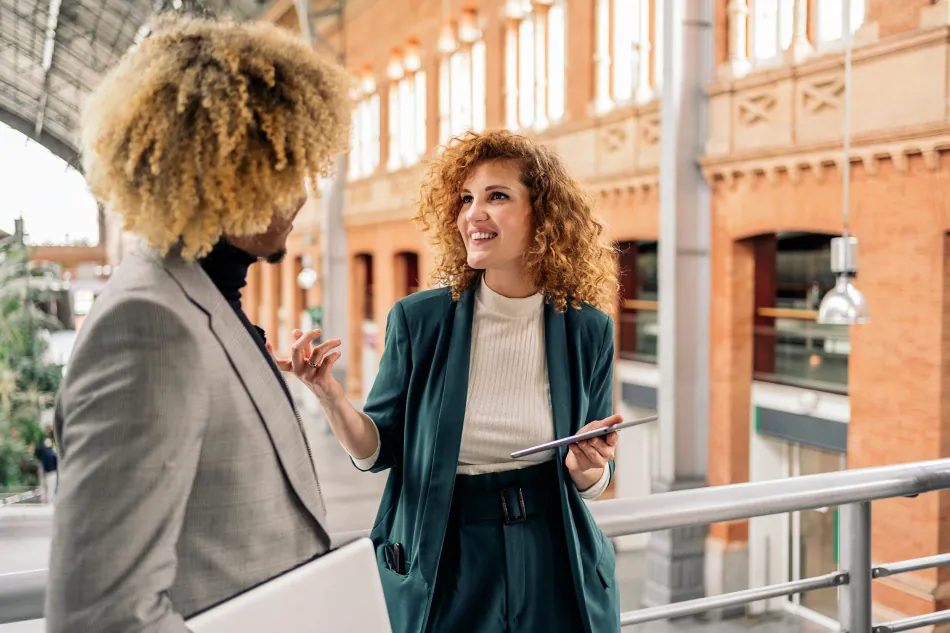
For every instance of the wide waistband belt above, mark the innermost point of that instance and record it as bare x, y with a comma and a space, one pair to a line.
510, 498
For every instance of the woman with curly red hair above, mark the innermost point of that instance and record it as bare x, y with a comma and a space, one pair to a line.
514, 350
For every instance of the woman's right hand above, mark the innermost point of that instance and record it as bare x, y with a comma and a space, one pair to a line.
312, 364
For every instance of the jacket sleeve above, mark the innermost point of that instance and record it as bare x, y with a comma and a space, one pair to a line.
601, 403
386, 402
130, 420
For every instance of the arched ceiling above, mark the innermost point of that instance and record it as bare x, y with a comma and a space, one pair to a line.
53, 52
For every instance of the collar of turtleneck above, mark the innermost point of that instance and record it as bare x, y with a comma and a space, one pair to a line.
227, 267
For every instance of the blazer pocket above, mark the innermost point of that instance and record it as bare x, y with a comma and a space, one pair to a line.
607, 563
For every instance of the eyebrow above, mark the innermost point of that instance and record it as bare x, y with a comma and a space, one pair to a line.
491, 188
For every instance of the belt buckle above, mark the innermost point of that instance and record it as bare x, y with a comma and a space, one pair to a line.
522, 516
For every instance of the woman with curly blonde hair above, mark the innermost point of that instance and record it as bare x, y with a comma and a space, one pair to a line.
185, 472
515, 350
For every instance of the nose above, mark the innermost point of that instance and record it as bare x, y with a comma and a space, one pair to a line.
476, 212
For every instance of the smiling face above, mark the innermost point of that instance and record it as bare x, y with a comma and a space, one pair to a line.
496, 219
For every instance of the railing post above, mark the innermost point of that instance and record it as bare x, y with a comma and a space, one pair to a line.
854, 544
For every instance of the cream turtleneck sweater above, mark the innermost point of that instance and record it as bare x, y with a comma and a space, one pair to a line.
508, 406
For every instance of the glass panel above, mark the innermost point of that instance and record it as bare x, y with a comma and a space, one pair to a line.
374, 126
445, 101
831, 19
626, 35
819, 531
804, 354
658, 46
638, 334
773, 21
478, 86
419, 114
526, 72
511, 77
407, 121
557, 63
602, 26
394, 121
790, 347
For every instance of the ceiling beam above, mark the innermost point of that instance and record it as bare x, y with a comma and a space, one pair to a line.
49, 49
57, 146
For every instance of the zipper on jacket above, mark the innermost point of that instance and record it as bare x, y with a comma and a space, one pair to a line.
306, 443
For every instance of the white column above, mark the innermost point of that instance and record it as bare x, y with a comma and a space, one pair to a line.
644, 91
540, 66
511, 74
800, 48
738, 63
602, 100
676, 558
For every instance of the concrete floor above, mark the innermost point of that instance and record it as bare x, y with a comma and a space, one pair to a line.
352, 498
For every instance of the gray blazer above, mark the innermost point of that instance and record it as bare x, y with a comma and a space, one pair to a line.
185, 473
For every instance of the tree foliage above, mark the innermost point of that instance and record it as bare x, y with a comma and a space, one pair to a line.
28, 383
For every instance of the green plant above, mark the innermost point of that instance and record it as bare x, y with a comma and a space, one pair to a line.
28, 383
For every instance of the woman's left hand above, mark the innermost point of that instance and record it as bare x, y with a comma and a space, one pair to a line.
586, 460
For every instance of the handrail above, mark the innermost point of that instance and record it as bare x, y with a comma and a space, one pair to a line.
21, 594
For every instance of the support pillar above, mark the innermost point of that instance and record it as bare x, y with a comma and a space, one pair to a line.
737, 63
675, 558
334, 279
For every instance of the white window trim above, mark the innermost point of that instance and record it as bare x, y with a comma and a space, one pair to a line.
778, 57
534, 97
858, 17
411, 90
462, 91
365, 138
608, 53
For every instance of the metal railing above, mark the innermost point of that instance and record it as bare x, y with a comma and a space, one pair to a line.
21, 594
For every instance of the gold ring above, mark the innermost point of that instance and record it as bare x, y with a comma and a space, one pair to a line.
312, 364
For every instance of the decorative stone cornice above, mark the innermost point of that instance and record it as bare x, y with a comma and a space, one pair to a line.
815, 161
640, 183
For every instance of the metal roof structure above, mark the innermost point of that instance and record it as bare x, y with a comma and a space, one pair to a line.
53, 52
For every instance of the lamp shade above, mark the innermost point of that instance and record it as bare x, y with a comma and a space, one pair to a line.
843, 305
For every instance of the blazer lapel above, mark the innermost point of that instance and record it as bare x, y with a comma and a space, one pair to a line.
559, 380
258, 379
448, 432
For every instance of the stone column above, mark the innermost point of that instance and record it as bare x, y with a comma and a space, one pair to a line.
800, 48
644, 91
334, 280
675, 559
602, 30
540, 17
738, 64
512, 118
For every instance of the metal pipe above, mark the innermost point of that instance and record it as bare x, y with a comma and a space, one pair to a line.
691, 507
854, 599
916, 622
710, 603
928, 562
619, 517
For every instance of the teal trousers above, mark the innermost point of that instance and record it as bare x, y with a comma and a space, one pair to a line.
504, 565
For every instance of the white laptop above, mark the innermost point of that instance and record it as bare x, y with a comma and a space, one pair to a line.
340, 592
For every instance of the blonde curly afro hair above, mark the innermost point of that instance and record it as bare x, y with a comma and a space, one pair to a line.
569, 259
208, 127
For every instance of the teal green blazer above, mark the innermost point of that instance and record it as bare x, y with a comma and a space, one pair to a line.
418, 403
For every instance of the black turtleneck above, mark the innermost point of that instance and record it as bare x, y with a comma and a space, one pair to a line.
227, 267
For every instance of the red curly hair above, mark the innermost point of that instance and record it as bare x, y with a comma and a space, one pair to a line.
569, 259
